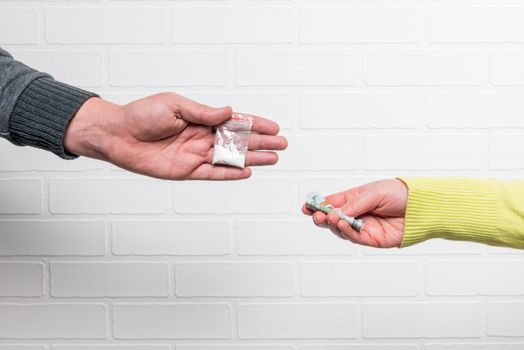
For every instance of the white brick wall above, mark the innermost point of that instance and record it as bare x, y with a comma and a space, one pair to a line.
172, 321
83, 68
423, 320
26, 18
296, 67
298, 320
240, 278
52, 320
359, 278
112, 25
93, 258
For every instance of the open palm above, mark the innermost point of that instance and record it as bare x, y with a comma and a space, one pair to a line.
171, 137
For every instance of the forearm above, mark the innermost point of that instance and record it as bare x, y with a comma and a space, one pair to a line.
35, 109
481, 210
14, 78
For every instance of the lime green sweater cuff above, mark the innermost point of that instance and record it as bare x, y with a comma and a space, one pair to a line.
451, 208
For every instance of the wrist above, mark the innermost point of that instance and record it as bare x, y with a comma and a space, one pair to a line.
90, 131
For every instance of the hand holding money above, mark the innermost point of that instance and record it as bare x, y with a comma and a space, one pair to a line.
316, 202
381, 205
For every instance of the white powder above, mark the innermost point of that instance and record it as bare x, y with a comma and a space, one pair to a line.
229, 155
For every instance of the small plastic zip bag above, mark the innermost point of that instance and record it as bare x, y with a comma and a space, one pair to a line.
232, 140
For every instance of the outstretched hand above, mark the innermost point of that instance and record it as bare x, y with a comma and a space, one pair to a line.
165, 136
382, 206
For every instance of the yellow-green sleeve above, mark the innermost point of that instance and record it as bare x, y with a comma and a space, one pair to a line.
467, 209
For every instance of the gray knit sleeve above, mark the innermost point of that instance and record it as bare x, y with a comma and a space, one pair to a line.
35, 109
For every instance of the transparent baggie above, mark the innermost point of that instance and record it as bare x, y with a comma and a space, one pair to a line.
232, 141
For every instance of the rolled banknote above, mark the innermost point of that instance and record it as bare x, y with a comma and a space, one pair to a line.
316, 202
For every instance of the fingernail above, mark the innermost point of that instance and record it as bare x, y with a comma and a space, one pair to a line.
314, 220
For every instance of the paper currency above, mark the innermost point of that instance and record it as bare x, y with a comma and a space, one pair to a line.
318, 203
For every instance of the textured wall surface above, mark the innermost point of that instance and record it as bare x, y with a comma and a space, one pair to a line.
95, 258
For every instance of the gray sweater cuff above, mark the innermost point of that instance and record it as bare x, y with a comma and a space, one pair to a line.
43, 112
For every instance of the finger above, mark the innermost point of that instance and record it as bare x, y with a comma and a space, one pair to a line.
264, 126
267, 142
324, 225
364, 203
361, 237
307, 211
197, 113
341, 198
219, 173
332, 221
261, 158
320, 219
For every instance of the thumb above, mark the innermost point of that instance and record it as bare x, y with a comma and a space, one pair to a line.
197, 113
363, 203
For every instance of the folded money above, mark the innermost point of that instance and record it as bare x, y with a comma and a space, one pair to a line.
316, 202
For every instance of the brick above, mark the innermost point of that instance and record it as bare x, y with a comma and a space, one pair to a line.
171, 238
443, 151
423, 320
506, 68
294, 158
107, 195
424, 67
172, 321
169, 68
233, 24
280, 107
16, 158
298, 321
484, 24
359, 278
235, 347
475, 109
46, 321
505, 319
109, 279
83, 68
26, 18
52, 237
21, 279
21, 196
476, 346
280, 237
234, 279
110, 347
107, 25
294, 68
504, 151
237, 197
359, 24
491, 277
350, 110
360, 347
